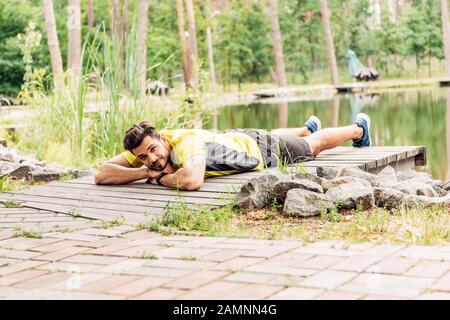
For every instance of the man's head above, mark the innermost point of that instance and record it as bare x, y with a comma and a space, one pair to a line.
147, 145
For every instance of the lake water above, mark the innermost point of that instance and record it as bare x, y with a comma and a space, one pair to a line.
399, 118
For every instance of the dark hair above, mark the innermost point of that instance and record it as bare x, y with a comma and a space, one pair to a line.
137, 133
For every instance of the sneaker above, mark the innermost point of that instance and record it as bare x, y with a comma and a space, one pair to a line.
363, 121
313, 124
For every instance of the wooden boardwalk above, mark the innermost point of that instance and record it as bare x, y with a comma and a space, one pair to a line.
138, 201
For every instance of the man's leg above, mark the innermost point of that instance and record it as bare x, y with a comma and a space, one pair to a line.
332, 137
312, 125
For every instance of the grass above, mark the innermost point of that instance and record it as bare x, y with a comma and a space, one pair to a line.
12, 204
189, 258
74, 213
83, 123
8, 183
105, 224
420, 226
21, 233
148, 256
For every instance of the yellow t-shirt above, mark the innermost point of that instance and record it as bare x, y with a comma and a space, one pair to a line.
225, 153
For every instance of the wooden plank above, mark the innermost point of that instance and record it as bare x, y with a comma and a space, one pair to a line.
123, 189
85, 202
96, 208
142, 185
117, 197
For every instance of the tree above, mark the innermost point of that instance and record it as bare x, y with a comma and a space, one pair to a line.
53, 44
116, 20
332, 64
187, 68
277, 44
74, 37
90, 14
192, 39
446, 36
142, 44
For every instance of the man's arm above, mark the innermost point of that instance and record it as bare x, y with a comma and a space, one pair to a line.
119, 171
189, 177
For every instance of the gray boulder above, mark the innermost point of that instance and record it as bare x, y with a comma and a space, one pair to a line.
309, 176
330, 184
416, 188
10, 155
21, 171
281, 188
440, 191
446, 186
56, 168
7, 167
358, 173
387, 176
413, 175
327, 173
352, 195
391, 199
305, 203
257, 192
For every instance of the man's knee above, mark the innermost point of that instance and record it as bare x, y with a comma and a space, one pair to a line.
315, 145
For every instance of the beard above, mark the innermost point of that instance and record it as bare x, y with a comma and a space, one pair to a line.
158, 165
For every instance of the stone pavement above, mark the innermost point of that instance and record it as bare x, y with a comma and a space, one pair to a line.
121, 262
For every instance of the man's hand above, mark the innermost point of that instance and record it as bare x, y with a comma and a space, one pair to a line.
189, 177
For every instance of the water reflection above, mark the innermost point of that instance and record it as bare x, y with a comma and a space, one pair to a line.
414, 117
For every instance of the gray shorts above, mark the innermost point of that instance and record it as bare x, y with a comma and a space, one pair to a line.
294, 149
287, 148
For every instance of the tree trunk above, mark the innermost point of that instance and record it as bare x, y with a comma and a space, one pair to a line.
447, 126
446, 35
142, 45
192, 38
187, 73
74, 37
115, 21
212, 71
332, 65
53, 45
393, 10
125, 20
90, 14
277, 44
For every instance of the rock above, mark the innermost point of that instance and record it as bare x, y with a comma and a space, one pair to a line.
21, 171
7, 167
86, 172
387, 176
390, 198
327, 173
329, 184
440, 191
257, 192
43, 176
416, 188
305, 203
281, 188
309, 176
32, 161
413, 175
352, 195
358, 173
60, 169
10, 155
446, 186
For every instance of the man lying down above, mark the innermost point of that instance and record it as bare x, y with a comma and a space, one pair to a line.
182, 159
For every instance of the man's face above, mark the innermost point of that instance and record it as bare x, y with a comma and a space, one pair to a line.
152, 153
